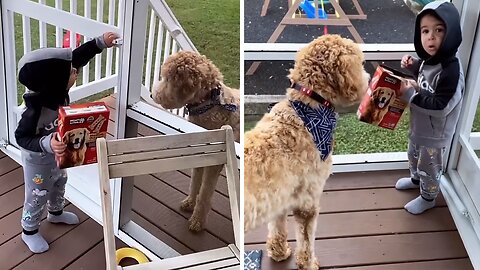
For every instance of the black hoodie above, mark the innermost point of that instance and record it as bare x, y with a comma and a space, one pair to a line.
45, 72
435, 108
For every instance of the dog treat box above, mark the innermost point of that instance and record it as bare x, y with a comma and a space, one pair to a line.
381, 105
79, 126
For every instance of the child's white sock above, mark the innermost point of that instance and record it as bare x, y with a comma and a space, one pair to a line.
419, 205
35, 242
406, 183
64, 217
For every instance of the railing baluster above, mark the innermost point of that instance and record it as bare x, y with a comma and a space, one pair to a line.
174, 46
121, 7
12, 63
111, 20
166, 49
58, 30
98, 57
42, 27
179, 111
86, 68
27, 37
166, 53
158, 53
151, 39
73, 35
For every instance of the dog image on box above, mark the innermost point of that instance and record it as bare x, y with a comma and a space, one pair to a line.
378, 106
75, 140
288, 154
192, 80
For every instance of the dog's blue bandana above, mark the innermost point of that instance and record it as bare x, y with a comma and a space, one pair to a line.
320, 122
252, 260
214, 100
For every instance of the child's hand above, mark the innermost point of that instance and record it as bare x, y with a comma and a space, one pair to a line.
407, 61
407, 84
413, 83
57, 145
109, 37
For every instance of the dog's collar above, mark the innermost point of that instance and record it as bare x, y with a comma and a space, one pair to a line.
214, 99
311, 93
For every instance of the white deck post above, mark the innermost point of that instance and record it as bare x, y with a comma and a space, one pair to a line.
134, 37
10, 66
463, 164
3, 92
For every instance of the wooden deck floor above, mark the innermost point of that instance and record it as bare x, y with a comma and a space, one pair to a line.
155, 207
363, 226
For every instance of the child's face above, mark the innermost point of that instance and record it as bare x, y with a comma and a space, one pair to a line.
73, 77
432, 32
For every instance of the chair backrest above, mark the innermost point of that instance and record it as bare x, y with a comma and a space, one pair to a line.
145, 155
155, 154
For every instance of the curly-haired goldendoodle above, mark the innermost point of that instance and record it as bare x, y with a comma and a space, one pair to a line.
288, 153
378, 106
192, 80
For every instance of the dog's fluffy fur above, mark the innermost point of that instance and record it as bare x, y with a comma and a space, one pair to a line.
75, 140
283, 169
378, 106
188, 78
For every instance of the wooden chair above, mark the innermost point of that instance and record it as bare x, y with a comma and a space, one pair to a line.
154, 154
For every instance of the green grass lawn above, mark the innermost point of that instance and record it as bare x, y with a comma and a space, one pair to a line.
476, 120
214, 28
355, 137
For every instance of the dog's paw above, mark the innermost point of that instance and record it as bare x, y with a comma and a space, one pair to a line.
187, 204
305, 263
279, 255
195, 224
278, 250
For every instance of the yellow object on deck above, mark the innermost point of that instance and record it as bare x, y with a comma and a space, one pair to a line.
132, 253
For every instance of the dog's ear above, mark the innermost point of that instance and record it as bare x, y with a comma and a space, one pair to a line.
86, 134
392, 96
375, 93
65, 137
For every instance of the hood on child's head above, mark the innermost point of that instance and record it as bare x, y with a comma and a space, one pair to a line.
447, 12
45, 72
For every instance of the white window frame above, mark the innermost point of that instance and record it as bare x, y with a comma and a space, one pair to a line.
461, 184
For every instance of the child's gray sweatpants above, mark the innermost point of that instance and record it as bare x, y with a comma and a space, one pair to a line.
426, 165
44, 185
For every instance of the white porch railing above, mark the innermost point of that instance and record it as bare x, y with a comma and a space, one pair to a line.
40, 20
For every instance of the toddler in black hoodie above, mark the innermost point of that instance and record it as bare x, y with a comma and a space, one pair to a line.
48, 74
